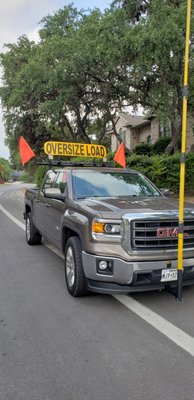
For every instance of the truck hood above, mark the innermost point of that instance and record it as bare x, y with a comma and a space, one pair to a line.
117, 207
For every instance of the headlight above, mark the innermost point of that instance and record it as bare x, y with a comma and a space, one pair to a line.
106, 229
112, 228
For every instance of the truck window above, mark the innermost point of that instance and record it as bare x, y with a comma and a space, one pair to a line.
61, 181
111, 184
49, 181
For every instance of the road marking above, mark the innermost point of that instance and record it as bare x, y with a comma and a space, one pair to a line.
172, 332
10, 216
22, 226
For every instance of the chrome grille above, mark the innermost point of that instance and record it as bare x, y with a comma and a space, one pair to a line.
144, 234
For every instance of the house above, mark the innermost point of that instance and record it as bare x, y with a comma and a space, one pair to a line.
138, 129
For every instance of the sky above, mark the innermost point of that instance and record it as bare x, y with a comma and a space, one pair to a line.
19, 17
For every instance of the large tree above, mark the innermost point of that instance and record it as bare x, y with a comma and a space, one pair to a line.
88, 66
159, 41
70, 84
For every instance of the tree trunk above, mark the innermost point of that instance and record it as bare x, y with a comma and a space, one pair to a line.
176, 136
127, 151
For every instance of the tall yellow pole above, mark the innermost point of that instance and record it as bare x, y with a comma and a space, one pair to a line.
183, 152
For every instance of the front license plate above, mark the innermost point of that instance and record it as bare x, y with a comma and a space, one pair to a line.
169, 275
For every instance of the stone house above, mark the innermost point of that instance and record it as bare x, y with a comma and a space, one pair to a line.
138, 129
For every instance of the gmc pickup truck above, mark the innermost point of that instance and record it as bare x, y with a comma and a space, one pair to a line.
117, 231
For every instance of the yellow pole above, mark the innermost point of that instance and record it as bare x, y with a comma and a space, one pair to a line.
183, 152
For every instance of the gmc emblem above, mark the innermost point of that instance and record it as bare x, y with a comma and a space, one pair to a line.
168, 232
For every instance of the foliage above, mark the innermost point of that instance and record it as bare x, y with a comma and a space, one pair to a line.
164, 170
110, 155
159, 41
25, 177
5, 169
68, 86
40, 174
88, 66
143, 148
161, 144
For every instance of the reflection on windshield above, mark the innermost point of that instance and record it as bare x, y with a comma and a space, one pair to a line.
111, 184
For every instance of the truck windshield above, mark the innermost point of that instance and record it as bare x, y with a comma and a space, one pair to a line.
111, 184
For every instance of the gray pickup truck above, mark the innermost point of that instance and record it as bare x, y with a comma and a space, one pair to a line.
117, 231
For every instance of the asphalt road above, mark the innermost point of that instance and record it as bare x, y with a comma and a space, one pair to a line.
55, 347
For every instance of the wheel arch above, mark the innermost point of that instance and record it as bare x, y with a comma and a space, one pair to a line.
27, 209
68, 232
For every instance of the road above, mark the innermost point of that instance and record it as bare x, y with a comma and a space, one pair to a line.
55, 347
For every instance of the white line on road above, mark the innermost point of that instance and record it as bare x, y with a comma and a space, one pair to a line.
10, 216
176, 335
172, 332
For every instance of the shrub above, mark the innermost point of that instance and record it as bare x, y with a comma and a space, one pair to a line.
164, 170
157, 170
40, 173
160, 146
25, 177
143, 149
5, 169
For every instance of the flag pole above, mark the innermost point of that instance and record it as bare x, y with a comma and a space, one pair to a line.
183, 153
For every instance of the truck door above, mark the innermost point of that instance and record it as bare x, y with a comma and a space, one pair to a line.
55, 209
41, 206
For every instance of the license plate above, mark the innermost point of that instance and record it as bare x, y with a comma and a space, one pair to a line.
169, 275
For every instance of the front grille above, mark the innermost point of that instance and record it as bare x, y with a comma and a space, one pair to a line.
148, 235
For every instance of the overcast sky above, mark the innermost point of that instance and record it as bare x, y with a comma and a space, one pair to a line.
19, 17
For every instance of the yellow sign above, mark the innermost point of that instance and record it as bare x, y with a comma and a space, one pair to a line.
74, 149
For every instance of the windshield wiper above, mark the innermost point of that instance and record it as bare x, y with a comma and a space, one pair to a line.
86, 197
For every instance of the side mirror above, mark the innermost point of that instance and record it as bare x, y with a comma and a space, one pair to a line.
165, 192
54, 193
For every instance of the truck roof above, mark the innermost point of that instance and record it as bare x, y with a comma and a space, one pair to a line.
103, 169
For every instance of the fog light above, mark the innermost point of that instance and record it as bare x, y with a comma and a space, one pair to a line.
103, 265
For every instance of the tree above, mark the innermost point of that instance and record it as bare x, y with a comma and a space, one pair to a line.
68, 86
88, 66
5, 169
159, 41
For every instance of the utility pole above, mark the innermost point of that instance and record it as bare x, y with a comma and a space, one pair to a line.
183, 157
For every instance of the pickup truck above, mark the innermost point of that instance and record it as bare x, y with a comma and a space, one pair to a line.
117, 231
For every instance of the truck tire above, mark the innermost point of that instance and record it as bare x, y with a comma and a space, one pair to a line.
74, 274
32, 235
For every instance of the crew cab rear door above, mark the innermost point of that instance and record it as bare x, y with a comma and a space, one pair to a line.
41, 205
55, 207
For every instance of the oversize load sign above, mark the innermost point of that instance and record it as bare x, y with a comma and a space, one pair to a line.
74, 149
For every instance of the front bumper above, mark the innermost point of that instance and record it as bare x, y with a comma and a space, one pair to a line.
133, 276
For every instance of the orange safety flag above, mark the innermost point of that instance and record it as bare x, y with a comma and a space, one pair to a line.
120, 156
26, 153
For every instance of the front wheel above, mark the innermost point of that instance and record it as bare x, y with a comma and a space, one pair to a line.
32, 235
74, 274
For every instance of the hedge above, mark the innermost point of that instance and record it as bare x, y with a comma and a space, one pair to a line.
164, 170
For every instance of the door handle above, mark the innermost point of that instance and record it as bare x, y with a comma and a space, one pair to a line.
37, 201
47, 205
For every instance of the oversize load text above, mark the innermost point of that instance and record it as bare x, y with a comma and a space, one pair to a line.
74, 149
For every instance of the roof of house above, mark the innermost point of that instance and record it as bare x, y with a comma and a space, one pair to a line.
134, 121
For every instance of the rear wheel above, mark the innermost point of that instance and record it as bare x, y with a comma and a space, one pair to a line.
32, 235
74, 274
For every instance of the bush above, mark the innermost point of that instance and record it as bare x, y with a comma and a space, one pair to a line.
5, 169
160, 146
40, 174
143, 149
164, 170
25, 177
